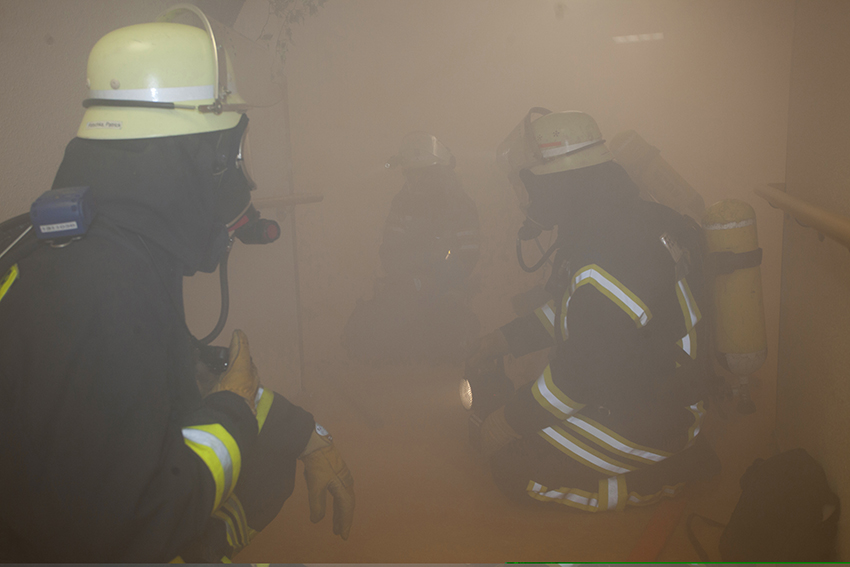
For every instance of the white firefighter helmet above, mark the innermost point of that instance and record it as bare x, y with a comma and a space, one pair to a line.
160, 79
420, 149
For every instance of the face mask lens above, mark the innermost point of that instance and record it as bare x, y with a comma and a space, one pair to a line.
243, 160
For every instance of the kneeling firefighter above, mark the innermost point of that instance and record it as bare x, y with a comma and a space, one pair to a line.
110, 453
614, 419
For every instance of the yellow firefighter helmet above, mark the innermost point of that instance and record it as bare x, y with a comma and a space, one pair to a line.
160, 79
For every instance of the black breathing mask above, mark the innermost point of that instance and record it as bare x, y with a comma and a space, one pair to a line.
541, 214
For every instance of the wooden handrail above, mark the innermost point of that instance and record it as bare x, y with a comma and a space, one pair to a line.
836, 227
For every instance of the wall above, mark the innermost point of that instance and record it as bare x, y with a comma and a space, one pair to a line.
813, 390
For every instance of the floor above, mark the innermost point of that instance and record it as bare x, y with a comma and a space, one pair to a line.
424, 497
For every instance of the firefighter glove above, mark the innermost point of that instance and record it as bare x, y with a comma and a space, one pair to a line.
325, 471
496, 433
241, 376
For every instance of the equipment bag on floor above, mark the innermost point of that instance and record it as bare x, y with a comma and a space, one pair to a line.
786, 512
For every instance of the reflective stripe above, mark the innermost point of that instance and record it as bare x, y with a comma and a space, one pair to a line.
170, 94
611, 287
8, 279
573, 497
577, 450
263, 404
728, 225
546, 315
610, 441
612, 493
220, 452
690, 309
553, 149
688, 343
699, 414
235, 521
552, 398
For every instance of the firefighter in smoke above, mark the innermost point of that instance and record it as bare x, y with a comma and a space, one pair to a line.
430, 246
109, 451
614, 419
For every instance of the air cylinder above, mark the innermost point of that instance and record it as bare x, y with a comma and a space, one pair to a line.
734, 257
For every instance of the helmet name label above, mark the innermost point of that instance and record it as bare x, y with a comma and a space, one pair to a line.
104, 124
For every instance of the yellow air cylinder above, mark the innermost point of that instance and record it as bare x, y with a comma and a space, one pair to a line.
734, 257
656, 179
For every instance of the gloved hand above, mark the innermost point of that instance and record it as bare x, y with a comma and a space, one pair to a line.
241, 376
496, 433
325, 471
485, 350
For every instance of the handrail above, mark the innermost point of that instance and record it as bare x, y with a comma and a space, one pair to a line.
837, 227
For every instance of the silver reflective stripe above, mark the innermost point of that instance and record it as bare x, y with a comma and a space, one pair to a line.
558, 495
615, 291
549, 313
613, 493
551, 396
686, 344
259, 395
171, 94
209, 440
728, 225
564, 148
692, 311
614, 443
578, 451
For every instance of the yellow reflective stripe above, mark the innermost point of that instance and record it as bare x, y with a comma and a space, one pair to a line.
611, 288
688, 343
177, 559
220, 452
586, 455
8, 279
565, 304
613, 442
229, 528
613, 493
690, 309
698, 412
573, 497
668, 491
552, 398
546, 315
234, 506
263, 404
225, 559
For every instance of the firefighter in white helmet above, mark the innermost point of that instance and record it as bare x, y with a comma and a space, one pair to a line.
615, 418
110, 453
429, 248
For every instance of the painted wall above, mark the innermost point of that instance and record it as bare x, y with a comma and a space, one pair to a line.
813, 390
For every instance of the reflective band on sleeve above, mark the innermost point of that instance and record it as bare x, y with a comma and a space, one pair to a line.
561, 440
552, 398
612, 493
171, 94
264, 405
8, 279
546, 315
611, 287
220, 452
610, 441
235, 521
573, 497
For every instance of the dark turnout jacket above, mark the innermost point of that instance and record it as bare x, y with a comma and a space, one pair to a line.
624, 386
108, 451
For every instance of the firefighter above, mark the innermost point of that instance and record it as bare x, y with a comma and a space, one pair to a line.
615, 418
109, 451
429, 248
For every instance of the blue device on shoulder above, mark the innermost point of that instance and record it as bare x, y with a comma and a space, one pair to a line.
62, 213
